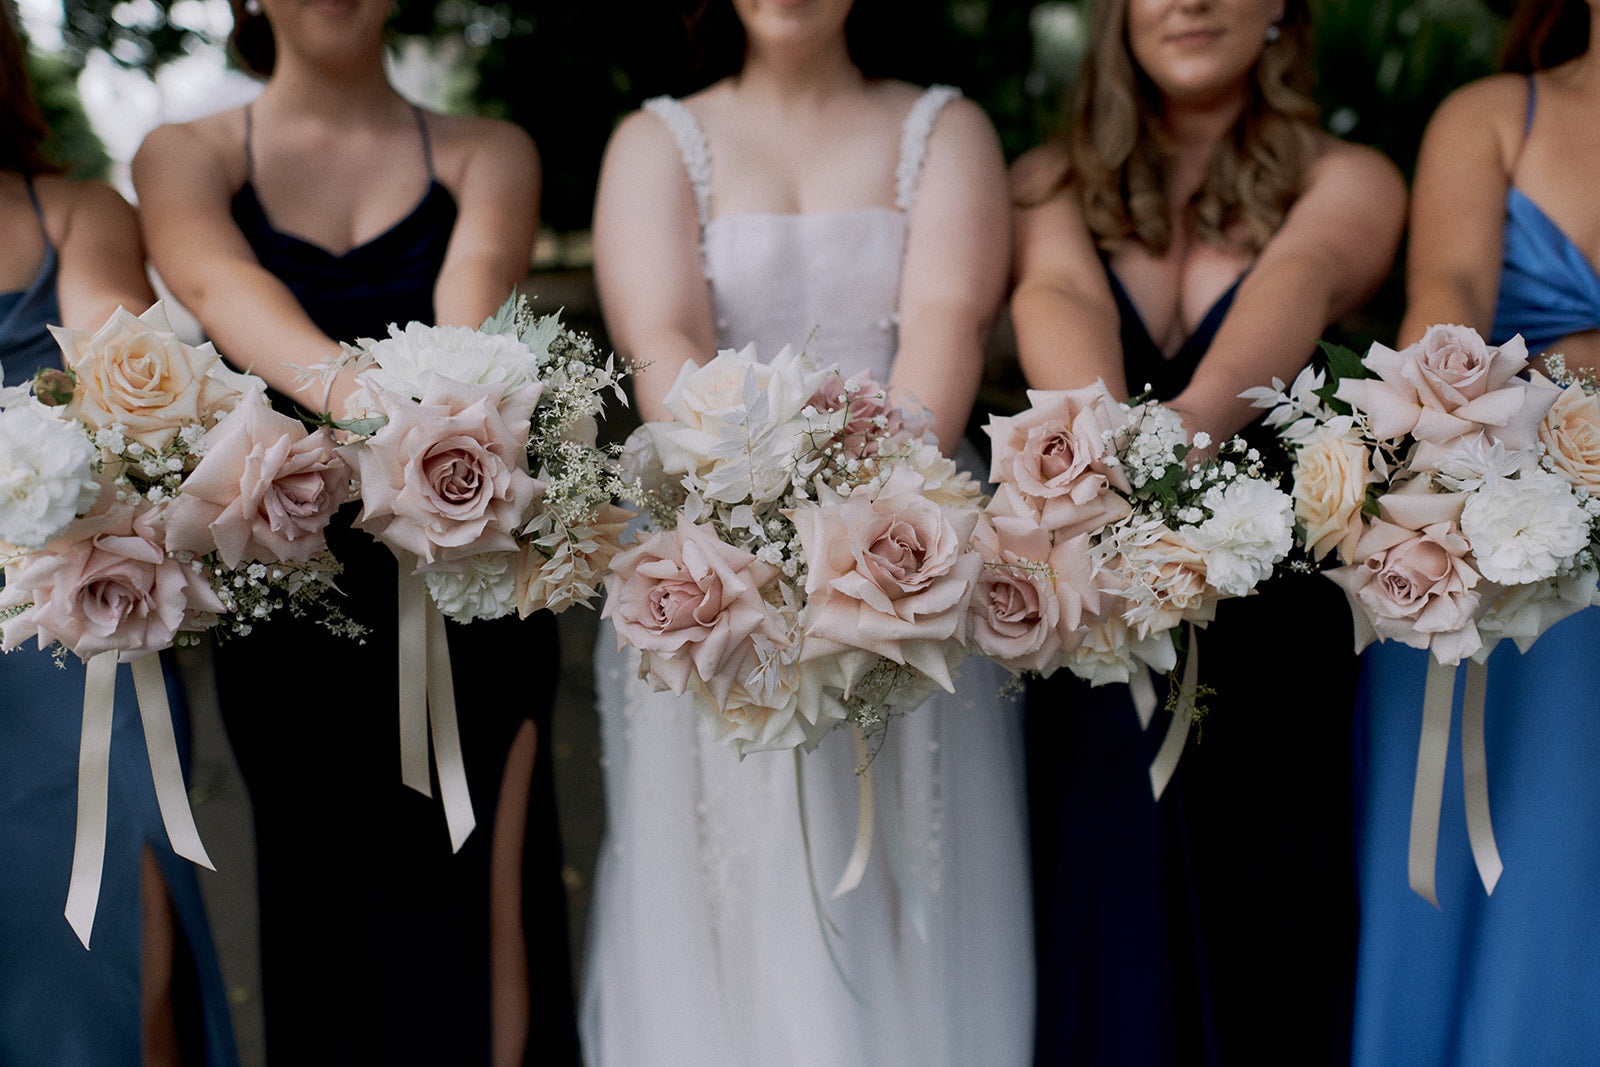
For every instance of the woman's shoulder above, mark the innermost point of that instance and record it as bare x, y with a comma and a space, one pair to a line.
213, 142
463, 143
1493, 107
1355, 169
1040, 173
69, 203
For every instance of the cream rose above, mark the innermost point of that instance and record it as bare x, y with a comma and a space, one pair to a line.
448, 478
1331, 475
106, 585
558, 571
1055, 459
264, 490
135, 372
1163, 580
691, 603
1570, 434
888, 576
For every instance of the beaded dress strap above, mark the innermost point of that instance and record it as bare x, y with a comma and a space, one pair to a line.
692, 145
914, 134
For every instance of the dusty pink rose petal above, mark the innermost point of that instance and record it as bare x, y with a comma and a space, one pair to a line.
690, 603
891, 577
1053, 458
264, 490
135, 372
1015, 612
1413, 584
106, 585
448, 477
872, 420
1446, 386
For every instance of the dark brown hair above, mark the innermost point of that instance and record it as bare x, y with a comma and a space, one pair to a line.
1117, 150
250, 43
875, 32
23, 131
1544, 34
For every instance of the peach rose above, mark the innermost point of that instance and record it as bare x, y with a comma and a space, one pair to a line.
690, 602
1412, 582
888, 576
1054, 460
1446, 386
264, 490
1570, 434
555, 573
135, 372
106, 584
1331, 475
448, 477
1163, 580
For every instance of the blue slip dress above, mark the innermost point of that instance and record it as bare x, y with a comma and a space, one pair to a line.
375, 937
1513, 977
1217, 925
60, 1003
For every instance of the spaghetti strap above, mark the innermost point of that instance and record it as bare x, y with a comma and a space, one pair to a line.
38, 209
249, 149
1527, 128
427, 142
914, 133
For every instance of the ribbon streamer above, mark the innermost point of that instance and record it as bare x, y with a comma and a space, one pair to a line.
1475, 776
1165, 763
856, 868
1428, 794
94, 777
428, 699
1143, 692
825, 923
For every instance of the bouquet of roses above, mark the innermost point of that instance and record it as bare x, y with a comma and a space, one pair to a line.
479, 468
810, 561
152, 494
1104, 538
1459, 499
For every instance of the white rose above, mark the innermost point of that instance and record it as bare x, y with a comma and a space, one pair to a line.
408, 357
46, 476
1521, 613
1251, 528
484, 588
1522, 529
1111, 653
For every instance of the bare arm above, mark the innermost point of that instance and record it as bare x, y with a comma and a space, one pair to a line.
1458, 210
1329, 256
647, 259
101, 257
492, 243
1068, 330
184, 192
955, 269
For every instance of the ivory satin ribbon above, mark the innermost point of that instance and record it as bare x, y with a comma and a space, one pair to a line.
94, 778
428, 699
1165, 763
1428, 793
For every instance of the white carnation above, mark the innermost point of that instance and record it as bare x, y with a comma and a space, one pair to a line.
46, 475
1251, 528
407, 358
1521, 613
1523, 529
484, 588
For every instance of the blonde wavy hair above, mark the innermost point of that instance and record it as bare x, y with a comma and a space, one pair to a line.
1116, 149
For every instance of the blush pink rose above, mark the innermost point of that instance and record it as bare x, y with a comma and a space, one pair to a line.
691, 604
1449, 385
1052, 460
1033, 597
106, 585
264, 490
136, 373
888, 576
1413, 582
447, 478
871, 419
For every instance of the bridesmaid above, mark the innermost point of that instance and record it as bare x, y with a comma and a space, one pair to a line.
1505, 232
150, 990
1195, 232
323, 211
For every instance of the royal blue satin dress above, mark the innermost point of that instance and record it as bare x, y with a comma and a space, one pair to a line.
59, 1002
375, 938
1513, 977
1217, 925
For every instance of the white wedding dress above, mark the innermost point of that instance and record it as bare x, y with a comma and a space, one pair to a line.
705, 947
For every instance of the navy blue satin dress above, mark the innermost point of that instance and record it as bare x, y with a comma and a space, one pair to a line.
1513, 977
61, 1003
375, 937
1217, 925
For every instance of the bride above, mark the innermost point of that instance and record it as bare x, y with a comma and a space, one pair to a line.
804, 199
